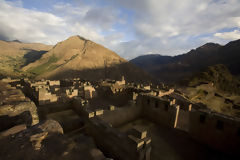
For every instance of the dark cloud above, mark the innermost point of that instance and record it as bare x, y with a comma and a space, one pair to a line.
104, 17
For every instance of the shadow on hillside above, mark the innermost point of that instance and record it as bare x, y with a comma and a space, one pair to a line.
128, 70
32, 56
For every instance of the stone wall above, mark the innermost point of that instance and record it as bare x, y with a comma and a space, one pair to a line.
122, 115
158, 110
183, 120
217, 131
164, 93
117, 145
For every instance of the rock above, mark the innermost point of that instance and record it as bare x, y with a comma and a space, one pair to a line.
51, 126
13, 130
47, 141
15, 108
23, 112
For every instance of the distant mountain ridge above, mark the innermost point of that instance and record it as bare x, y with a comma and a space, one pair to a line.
173, 69
151, 60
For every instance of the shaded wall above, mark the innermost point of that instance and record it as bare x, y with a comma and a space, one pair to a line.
217, 131
158, 110
116, 117
115, 144
122, 115
183, 120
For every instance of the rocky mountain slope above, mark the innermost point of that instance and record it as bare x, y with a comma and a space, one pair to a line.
173, 69
79, 57
215, 87
14, 55
219, 76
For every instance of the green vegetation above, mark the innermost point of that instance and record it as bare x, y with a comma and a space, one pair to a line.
48, 66
68, 60
11, 66
219, 76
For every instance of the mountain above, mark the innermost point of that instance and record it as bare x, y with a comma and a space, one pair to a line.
15, 54
79, 57
151, 61
16, 40
173, 69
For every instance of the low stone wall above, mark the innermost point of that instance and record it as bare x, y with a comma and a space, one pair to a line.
122, 115
114, 115
115, 144
217, 131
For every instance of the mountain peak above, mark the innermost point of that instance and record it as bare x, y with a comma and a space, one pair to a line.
77, 56
76, 37
73, 42
210, 45
235, 43
16, 40
206, 48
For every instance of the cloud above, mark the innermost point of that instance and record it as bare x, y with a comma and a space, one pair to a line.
28, 25
63, 21
154, 18
101, 17
129, 27
174, 27
229, 35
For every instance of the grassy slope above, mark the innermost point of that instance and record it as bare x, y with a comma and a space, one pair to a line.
14, 55
49, 66
45, 66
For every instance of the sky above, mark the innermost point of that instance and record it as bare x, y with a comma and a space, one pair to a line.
129, 27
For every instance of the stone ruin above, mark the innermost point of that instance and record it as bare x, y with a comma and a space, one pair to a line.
17, 112
102, 110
